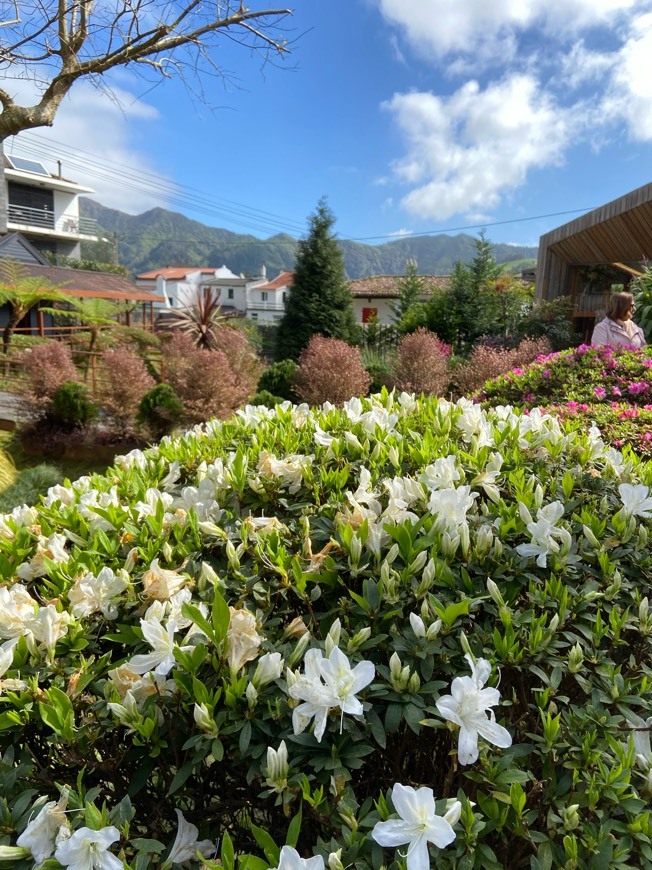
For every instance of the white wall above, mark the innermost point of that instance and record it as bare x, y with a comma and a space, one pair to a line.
382, 305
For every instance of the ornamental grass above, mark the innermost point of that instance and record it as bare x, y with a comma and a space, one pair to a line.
399, 633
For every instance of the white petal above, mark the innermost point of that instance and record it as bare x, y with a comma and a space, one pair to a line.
395, 832
467, 746
495, 733
449, 709
440, 832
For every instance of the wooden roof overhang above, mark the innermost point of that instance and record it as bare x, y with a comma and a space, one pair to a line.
618, 233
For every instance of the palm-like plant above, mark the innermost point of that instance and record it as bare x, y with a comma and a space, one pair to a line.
199, 319
91, 313
22, 292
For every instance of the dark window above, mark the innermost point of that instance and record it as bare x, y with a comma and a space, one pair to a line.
229, 293
31, 205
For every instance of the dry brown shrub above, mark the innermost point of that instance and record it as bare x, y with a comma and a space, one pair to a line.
48, 366
486, 362
125, 380
421, 363
330, 370
202, 379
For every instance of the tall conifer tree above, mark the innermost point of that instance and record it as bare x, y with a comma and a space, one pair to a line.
320, 301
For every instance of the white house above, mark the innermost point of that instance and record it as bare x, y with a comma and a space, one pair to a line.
373, 297
266, 299
44, 208
177, 286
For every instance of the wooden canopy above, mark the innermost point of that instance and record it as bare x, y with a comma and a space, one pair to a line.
617, 234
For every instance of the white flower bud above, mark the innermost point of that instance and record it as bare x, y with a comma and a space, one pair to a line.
554, 622
433, 629
538, 496
358, 639
466, 646
414, 683
483, 541
417, 625
335, 860
208, 575
418, 563
449, 544
333, 637
299, 650
590, 537
392, 554
494, 591
395, 666
204, 720
130, 561
355, 550
277, 767
268, 669
232, 556
524, 513
453, 811
429, 573
575, 659
252, 695
394, 457
643, 609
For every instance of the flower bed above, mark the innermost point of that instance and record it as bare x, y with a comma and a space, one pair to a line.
400, 631
585, 374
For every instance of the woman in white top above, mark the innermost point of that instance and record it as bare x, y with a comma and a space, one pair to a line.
618, 326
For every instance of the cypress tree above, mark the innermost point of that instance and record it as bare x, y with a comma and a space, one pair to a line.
320, 300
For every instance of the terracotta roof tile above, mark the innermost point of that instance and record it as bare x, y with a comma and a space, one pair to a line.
79, 282
174, 273
283, 280
387, 285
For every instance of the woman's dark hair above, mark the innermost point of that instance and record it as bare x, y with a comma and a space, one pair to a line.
619, 305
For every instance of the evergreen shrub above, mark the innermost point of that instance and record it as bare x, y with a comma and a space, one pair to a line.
400, 633
71, 406
160, 410
277, 379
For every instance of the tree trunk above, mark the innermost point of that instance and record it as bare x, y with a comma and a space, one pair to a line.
8, 332
4, 201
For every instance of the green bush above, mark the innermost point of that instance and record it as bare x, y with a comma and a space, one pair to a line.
264, 397
266, 632
277, 379
160, 410
71, 407
29, 485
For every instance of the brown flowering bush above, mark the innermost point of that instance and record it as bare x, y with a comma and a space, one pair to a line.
421, 363
202, 379
48, 366
488, 362
330, 371
242, 358
125, 382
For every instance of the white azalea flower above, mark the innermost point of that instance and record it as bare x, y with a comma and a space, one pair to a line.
186, 846
22, 515
442, 474
40, 834
91, 593
161, 583
89, 850
242, 638
141, 686
48, 626
450, 507
269, 668
133, 459
545, 534
277, 768
290, 469
636, 499
151, 501
161, 659
7, 654
328, 683
641, 736
17, 609
469, 706
417, 826
290, 859
53, 548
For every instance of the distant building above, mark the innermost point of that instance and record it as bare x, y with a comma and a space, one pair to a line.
373, 297
585, 258
44, 208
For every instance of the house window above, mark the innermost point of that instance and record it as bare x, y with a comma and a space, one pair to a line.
264, 295
171, 301
229, 293
254, 315
369, 314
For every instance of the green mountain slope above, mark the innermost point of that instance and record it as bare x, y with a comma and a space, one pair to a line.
159, 238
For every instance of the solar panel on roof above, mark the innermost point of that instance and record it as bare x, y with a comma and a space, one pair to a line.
27, 165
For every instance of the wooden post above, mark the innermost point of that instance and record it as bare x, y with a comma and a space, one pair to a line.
39, 320
151, 315
94, 375
144, 315
128, 316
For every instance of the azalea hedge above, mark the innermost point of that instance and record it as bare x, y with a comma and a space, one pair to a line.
401, 632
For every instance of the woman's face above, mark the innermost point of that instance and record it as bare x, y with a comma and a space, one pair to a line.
630, 312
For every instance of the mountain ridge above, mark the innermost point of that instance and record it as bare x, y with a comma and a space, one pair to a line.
158, 238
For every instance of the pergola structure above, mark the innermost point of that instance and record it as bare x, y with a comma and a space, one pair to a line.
586, 257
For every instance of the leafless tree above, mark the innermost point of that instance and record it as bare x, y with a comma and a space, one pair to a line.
54, 43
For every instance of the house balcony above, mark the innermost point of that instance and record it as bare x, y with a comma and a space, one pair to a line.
266, 306
38, 221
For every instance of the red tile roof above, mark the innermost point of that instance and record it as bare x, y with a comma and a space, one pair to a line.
175, 273
79, 282
285, 279
387, 285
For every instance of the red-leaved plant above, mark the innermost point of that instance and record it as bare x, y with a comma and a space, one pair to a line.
48, 366
422, 363
489, 362
330, 370
202, 379
124, 383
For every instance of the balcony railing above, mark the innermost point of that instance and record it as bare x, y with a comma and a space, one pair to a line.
266, 306
44, 219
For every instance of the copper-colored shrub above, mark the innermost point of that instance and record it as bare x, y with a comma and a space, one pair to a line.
330, 370
421, 363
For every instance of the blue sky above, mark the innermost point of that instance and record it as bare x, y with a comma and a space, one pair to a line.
411, 116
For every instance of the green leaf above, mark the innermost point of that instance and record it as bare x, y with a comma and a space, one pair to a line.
294, 828
267, 844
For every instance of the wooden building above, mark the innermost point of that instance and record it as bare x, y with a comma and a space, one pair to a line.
594, 254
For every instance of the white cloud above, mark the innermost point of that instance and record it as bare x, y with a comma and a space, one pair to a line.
629, 96
441, 27
465, 151
401, 232
95, 135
